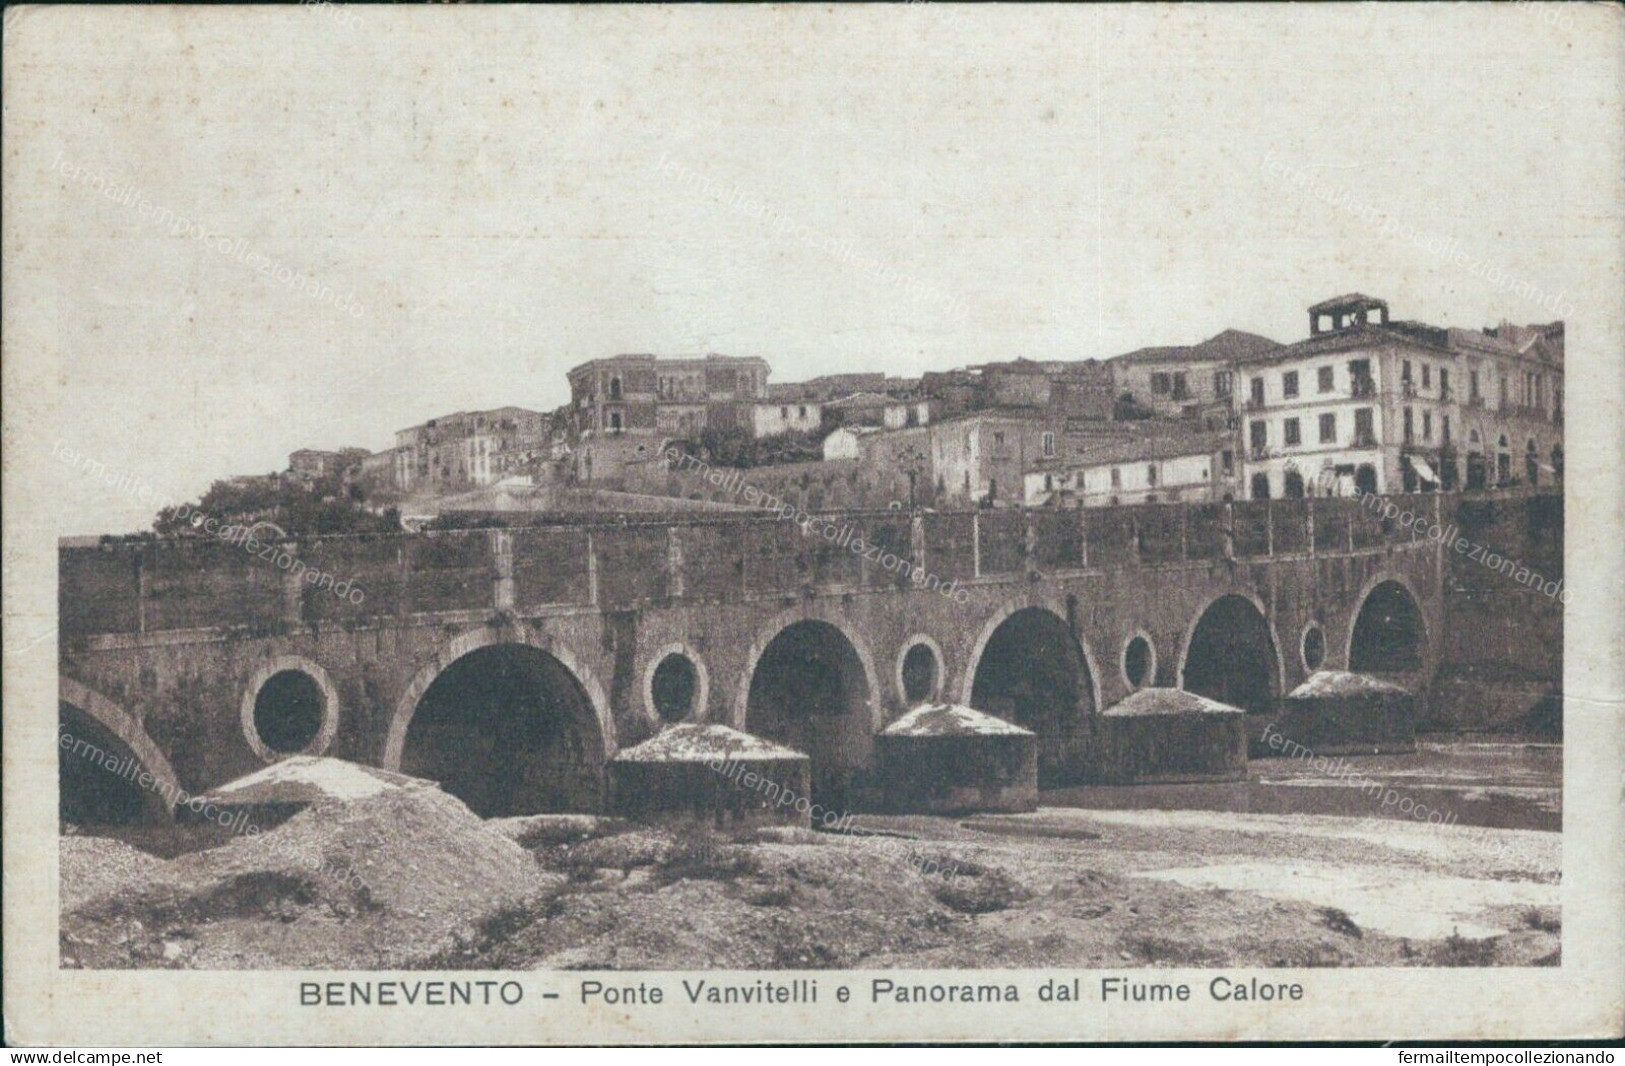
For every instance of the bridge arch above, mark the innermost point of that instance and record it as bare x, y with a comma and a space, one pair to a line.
109, 716
1232, 653
507, 723
810, 683
1028, 667
305, 689
1387, 628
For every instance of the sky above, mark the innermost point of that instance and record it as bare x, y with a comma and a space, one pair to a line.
232, 233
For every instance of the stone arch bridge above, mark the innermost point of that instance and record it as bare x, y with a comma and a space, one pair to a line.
510, 664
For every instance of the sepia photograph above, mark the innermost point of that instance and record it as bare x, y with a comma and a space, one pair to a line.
848, 522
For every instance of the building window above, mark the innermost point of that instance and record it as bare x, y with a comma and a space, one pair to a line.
1410, 425
1293, 431
1427, 375
1328, 429
1405, 371
1227, 462
998, 440
1258, 438
1221, 383
1159, 384
802, 411
1117, 478
1472, 386
1427, 425
1181, 391
615, 388
1289, 384
1324, 379
1365, 432
1151, 474
1049, 444
1258, 391
1261, 486
1444, 422
1444, 383
614, 421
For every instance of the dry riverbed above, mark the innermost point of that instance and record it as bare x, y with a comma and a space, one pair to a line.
414, 880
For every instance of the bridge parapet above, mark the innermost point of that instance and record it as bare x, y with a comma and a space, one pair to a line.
152, 586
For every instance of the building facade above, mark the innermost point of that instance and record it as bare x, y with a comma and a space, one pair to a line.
1190, 468
469, 448
983, 459
648, 395
768, 419
1365, 404
1178, 381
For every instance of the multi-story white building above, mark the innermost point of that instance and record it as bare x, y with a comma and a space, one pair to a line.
1344, 410
1369, 405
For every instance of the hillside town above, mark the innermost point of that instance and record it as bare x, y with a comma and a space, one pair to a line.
1363, 404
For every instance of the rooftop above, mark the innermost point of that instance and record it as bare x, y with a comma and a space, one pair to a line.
1229, 346
1125, 451
951, 720
1366, 336
1353, 301
1341, 683
1156, 701
704, 742
310, 779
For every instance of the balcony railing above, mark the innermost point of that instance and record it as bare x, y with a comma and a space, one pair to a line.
1365, 440
1364, 386
1445, 393
1255, 403
1258, 452
1407, 388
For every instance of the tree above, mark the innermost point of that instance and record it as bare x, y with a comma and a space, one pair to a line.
326, 506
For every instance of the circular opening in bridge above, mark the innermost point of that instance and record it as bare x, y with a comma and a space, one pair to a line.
674, 687
1388, 632
1032, 672
1314, 648
920, 673
96, 774
1231, 657
810, 693
1139, 661
288, 711
509, 730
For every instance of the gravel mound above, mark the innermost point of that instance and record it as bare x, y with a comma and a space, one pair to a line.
378, 882
98, 866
